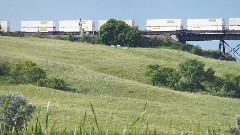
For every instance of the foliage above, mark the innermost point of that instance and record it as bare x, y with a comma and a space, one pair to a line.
231, 85
4, 68
85, 38
15, 111
158, 74
26, 72
53, 83
191, 76
119, 33
70, 37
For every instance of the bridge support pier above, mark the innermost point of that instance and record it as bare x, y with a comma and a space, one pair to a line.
234, 51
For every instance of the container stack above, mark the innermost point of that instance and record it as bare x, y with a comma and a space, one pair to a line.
164, 24
76, 25
38, 26
234, 24
4, 26
88, 25
130, 23
206, 24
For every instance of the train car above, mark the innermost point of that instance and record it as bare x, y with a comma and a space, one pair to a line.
38, 26
234, 24
4, 26
130, 23
77, 25
164, 24
206, 24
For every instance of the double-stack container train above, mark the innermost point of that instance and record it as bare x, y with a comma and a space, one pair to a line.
76, 25
38, 26
164, 24
156, 26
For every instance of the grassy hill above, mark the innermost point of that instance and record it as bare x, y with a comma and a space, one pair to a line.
113, 80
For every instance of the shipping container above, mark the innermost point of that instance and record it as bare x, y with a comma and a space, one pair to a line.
37, 24
164, 24
130, 23
4, 26
206, 24
76, 25
40, 29
69, 24
101, 22
234, 24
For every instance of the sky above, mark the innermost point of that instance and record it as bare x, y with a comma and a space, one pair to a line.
16, 11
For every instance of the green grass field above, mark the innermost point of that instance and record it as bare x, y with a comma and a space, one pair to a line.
113, 80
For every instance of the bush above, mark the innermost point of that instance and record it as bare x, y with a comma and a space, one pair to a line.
85, 38
53, 83
14, 111
70, 37
26, 72
159, 74
4, 69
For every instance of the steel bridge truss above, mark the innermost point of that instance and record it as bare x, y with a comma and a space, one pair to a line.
223, 45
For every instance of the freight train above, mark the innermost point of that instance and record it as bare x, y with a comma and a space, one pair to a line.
152, 25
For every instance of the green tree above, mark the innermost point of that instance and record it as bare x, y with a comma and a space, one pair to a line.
159, 74
119, 33
192, 75
231, 85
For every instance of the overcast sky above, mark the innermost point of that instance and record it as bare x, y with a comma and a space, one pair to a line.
138, 10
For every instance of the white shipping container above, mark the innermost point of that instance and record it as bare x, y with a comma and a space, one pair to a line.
163, 28
42, 29
206, 28
69, 24
5, 26
70, 29
101, 22
234, 28
88, 25
35, 24
234, 21
205, 22
130, 23
76, 25
165, 22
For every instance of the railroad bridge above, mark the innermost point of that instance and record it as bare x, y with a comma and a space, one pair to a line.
189, 35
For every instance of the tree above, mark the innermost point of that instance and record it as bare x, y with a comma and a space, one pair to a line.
192, 74
159, 74
119, 33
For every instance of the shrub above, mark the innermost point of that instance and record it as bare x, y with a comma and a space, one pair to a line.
70, 37
159, 74
85, 38
53, 83
14, 111
26, 72
4, 69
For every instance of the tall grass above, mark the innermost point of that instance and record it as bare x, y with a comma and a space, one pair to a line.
38, 129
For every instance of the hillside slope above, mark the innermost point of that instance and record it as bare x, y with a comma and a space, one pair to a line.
113, 80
